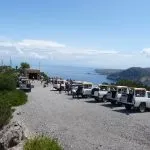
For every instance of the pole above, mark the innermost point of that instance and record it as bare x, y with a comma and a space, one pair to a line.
2, 63
10, 62
39, 65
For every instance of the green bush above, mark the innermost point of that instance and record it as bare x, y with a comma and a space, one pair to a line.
42, 143
7, 82
13, 98
5, 113
9, 96
131, 83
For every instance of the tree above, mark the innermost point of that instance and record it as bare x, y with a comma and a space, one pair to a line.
24, 65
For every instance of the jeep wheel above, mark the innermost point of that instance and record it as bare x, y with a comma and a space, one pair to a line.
104, 99
113, 102
142, 107
128, 107
73, 95
97, 99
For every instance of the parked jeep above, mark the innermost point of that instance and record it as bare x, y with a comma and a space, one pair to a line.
136, 98
75, 86
83, 90
101, 93
57, 83
115, 93
25, 85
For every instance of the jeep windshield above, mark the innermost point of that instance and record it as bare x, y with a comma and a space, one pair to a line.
122, 90
87, 86
140, 93
103, 88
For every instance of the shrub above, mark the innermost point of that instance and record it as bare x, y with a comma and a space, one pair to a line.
13, 98
5, 113
42, 143
7, 82
9, 96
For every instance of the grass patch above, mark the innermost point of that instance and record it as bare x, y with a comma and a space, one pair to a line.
7, 82
9, 96
5, 113
42, 143
9, 99
13, 98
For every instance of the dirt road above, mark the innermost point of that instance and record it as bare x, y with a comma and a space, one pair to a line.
83, 124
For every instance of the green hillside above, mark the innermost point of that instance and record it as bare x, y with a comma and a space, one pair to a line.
107, 71
135, 74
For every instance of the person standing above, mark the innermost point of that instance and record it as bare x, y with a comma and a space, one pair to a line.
33, 78
66, 86
69, 88
60, 88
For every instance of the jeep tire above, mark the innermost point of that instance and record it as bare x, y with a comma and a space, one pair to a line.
142, 107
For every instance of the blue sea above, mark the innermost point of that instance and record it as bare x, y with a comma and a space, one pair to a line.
75, 73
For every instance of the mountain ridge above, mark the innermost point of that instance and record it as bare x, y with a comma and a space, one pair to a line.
137, 74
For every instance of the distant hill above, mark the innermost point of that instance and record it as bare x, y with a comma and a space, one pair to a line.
107, 71
135, 74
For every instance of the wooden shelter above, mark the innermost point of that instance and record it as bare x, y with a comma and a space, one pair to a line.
32, 74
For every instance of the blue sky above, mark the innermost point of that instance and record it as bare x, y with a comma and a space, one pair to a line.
111, 28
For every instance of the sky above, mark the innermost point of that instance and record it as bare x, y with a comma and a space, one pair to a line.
93, 33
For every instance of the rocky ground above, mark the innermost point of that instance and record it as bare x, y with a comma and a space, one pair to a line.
83, 124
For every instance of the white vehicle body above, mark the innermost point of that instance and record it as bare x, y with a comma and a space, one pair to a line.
87, 88
94, 88
83, 89
115, 93
25, 85
101, 93
75, 86
136, 98
22, 78
57, 83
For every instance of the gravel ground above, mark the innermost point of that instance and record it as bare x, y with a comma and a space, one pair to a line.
83, 124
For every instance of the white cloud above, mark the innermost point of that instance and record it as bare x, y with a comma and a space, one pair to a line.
39, 44
146, 51
56, 52
37, 48
43, 49
36, 55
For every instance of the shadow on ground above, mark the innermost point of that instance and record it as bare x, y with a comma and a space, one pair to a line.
92, 101
53, 90
128, 112
109, 105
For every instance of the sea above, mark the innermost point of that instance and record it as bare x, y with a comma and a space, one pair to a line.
75, 73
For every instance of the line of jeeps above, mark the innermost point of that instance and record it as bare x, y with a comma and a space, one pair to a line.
130, 97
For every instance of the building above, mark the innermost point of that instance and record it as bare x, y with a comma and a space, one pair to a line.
32, 74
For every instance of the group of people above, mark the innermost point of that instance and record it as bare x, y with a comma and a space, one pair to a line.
68, 86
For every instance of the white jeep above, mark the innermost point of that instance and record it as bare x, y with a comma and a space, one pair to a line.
100, 94
25, 85
136, 98
83, 90
57, 83
115, 93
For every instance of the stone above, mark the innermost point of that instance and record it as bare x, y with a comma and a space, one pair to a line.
11, 135
19, 113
